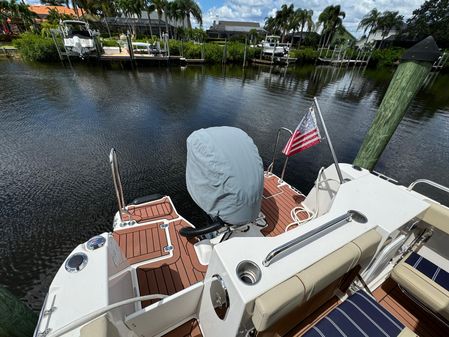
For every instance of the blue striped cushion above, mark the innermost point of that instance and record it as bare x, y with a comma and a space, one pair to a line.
360, 315
429, 269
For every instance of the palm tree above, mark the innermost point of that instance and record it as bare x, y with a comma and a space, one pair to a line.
190, 8
388, 21
149, 8
174, 13
130, 8
370, 22
16, 11
272, 25
331, 18
159, 7
284, 17
300, 19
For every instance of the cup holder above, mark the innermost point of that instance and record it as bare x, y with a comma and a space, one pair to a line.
248, 272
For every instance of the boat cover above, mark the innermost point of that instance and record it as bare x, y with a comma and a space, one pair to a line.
224, 174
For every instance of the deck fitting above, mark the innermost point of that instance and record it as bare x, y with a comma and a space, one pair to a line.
168, 249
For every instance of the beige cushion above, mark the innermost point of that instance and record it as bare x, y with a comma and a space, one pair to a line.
407, 333
367, 243
438, 216
321, 274
291, 294
423, 288
285, 297
100, 327
277, 302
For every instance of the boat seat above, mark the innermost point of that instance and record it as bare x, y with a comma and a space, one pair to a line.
360, 315
300, 295
425, 281
437, 215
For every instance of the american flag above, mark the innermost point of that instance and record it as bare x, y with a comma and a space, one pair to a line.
306, 135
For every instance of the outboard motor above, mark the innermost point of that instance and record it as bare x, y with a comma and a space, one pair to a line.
224, 177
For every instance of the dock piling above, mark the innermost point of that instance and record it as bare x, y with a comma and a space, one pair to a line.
244, 52
410, 75
16, 319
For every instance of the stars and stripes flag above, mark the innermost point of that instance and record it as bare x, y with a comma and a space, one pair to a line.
306, 135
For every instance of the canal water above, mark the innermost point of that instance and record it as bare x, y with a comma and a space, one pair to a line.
58, 125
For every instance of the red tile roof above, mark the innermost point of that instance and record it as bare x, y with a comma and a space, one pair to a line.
43, 10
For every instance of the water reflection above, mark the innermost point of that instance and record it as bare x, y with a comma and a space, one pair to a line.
58, 126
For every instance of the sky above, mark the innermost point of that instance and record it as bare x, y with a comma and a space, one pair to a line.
258, 10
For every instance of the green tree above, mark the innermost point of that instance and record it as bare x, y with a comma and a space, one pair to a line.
300, 19
15, 11
284, 17
54, 16
432, 18
175, 14
272, 25
130, 8
331, 19
190, 8
370, 22
388, 21
159, 6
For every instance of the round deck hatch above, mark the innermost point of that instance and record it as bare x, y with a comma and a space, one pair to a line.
76, 262
95, 242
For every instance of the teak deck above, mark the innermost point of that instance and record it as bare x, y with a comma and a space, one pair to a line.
178, 272
148, 241
277, 203
408, 312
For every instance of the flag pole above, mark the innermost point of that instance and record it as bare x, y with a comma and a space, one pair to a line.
329, 142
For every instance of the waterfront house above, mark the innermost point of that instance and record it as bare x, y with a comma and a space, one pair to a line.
42, 11
227, 29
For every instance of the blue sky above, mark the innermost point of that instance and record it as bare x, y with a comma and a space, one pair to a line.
257, 10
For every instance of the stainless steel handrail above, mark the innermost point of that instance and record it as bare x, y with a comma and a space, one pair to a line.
348, 216
117, 181
428, 182
270, 168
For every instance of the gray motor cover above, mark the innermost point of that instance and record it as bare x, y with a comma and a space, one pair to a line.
224, 174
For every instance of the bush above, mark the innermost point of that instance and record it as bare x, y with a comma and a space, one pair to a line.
306, 55
33, 47
6, 37
386, 57
109, 43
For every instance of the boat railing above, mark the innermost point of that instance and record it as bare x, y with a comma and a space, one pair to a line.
271, 166
117, 181
430, 183
349, 216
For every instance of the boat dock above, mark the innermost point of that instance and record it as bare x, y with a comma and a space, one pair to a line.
341, 56
341, 62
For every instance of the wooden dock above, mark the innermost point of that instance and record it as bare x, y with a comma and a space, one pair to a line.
276, 60
125, 57
343, 61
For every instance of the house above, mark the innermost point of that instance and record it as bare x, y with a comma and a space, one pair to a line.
228, 29
374, 39
42, 11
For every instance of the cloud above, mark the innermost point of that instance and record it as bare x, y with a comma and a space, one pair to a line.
258, 10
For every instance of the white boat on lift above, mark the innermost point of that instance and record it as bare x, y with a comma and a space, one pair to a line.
272, 261
78, 37
271, 44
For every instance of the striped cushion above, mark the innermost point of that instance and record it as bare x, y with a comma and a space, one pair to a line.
360, 315
429, 269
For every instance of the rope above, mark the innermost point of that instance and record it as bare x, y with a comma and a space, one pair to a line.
302, 209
